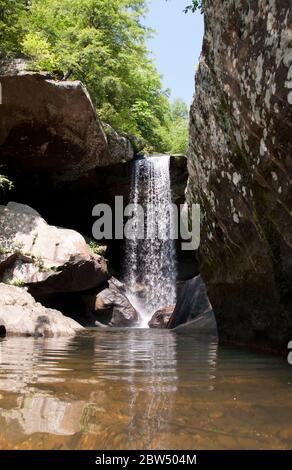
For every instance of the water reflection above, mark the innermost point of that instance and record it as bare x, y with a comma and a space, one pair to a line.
140, 389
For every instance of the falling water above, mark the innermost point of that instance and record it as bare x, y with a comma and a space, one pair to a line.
150, 259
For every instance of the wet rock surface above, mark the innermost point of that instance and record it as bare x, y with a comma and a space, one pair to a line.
193, 309
111, 307
240, 168
161, 318
20, 315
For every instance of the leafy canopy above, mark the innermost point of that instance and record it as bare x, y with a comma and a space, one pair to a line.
103, 44
195, 5
11, 30
175, 131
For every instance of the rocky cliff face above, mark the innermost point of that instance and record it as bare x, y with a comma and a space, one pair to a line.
61, 159
240, 167
50, 127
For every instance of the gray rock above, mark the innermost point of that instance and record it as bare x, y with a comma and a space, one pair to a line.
45, 258
111, 306
20, 315
193, 308
119, 147
203, 323
240, 168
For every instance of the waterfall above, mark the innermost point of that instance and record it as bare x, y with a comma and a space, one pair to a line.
150, 261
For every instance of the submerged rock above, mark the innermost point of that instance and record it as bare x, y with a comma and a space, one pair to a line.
193, 308
161, 318
240, 168
45, 258
111, 306
21, 315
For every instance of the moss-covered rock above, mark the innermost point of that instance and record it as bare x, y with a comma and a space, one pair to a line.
240, 167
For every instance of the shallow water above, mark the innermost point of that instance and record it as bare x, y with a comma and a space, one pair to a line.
141, 389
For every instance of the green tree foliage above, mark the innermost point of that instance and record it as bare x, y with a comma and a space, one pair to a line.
11, 31
103, 44
195, 5
175, 132
5, 183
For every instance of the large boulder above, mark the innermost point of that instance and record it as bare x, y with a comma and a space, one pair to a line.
45, 258
240, 167
50, 127
111, 306
193, 308
21, 315
161, 318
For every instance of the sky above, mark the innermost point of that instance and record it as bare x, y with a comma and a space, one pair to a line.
176, 46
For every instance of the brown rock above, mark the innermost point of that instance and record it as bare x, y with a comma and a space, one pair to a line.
119, 146
240, 168
51, 127
161, 318
286, 434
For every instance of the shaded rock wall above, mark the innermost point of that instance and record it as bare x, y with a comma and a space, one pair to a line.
60, 158
193, 308
240, 167
50, 127
69, 203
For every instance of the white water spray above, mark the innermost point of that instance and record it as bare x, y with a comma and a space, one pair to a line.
150, 263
